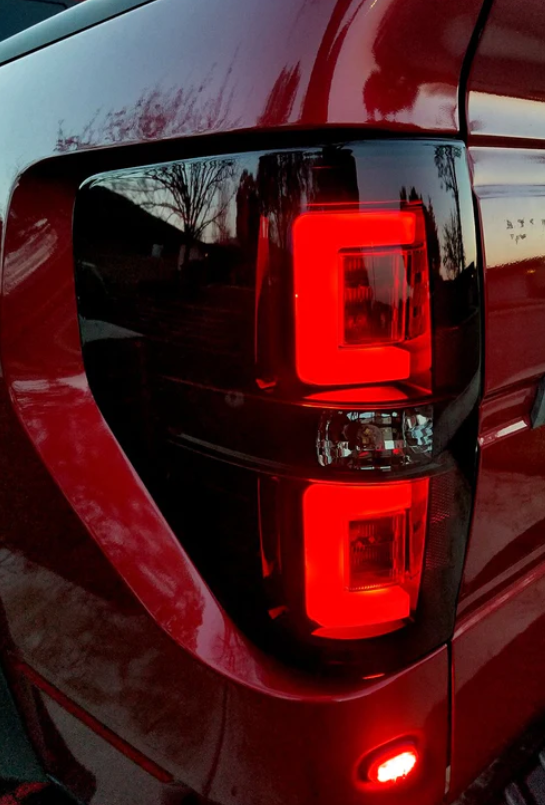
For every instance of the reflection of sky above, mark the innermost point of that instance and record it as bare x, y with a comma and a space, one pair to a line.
514, 228
74, 86
389, 168
383, 169
510, 185
507, 117
159, 202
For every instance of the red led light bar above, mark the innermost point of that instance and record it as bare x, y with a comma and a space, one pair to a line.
364, 547
361, 289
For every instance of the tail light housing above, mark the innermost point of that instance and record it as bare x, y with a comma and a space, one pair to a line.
293, 369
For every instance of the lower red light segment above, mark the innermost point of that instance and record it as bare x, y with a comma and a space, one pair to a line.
364, 549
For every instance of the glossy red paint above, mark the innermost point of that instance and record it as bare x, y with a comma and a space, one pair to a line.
342, 62
498, 657
506, 91
509, 186
502, 590
82, 629
40, 684
506, 539
498, 645
115, 616
43, 369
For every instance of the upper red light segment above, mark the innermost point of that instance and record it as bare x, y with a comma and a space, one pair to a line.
361, 296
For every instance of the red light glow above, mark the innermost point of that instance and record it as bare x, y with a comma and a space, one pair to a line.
364, 548
361, 297
372, 394
394, 768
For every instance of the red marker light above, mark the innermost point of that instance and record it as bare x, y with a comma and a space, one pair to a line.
393, 767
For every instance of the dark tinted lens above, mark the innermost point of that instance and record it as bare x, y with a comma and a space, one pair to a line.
185, 283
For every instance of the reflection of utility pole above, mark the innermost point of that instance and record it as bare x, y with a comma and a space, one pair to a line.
285, 180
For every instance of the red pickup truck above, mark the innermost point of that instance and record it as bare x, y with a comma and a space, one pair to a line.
272, 396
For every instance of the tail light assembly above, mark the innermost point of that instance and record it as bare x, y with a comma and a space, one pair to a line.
287, 346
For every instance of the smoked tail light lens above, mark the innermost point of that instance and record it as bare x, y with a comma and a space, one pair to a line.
364, 574
290, 359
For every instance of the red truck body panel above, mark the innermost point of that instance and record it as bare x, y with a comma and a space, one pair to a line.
498, 650
97, 596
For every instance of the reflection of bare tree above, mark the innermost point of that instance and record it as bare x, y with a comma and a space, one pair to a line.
413, 195
453, 253
193, 193
281, 98
156, 115
453, 246
432, 239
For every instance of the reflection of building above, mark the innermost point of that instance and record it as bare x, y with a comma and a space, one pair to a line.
128, 243
193, 253
134, 248
335, 176
141, 276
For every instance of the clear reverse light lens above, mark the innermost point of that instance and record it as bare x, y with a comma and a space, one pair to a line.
364, 440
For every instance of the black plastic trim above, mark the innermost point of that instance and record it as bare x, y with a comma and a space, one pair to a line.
510, 774
538, 409
466, 67
18, 760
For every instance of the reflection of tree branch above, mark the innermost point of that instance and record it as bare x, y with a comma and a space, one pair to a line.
281, 98
284, 179
194, 191
157, 114
454, 256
